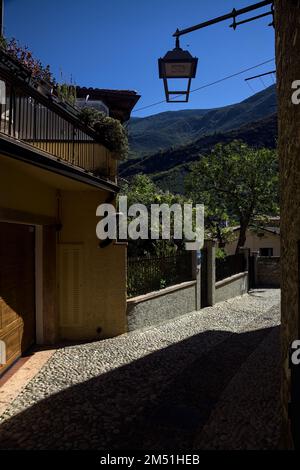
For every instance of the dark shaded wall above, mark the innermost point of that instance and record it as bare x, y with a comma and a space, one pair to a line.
287, 22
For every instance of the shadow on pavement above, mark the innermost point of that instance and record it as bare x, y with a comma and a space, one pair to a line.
160, 401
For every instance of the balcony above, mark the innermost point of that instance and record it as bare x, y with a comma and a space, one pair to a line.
30, 115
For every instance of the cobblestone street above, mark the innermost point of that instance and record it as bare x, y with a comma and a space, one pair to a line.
205, 380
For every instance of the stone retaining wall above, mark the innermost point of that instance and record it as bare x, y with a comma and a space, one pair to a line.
156, 307
231, 287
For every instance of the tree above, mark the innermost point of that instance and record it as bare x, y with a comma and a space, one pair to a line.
142, 190
236, 183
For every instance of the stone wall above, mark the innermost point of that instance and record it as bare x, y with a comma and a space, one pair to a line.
287, 27
268, 271
156, 307
231, 287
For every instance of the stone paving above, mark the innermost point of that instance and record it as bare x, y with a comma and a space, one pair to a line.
207, 379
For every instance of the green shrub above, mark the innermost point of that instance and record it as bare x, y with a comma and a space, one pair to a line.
220, 253
66, 93
111, 131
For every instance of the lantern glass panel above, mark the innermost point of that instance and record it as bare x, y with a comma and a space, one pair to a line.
178, 69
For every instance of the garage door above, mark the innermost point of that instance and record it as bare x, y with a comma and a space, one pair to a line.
17, 289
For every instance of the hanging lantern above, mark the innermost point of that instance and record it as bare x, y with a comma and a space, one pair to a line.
177, 64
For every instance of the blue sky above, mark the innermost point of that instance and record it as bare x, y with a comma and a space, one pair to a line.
116, 43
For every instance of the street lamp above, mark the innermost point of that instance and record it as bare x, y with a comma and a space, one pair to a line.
177, 64
180, 64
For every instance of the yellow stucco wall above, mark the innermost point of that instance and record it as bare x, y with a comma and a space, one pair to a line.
255, 243
101, 303
21, 192
102, 289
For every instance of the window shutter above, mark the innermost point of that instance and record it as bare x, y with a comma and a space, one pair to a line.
70, 284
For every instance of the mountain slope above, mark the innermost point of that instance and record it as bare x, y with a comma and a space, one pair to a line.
262, 133
170, 129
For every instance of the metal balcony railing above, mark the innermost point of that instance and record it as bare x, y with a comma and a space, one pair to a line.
40, 120
154, 273
229, 266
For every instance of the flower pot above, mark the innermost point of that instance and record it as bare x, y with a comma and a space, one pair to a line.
69, 107
44, 87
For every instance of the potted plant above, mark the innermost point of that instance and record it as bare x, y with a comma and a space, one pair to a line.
67, 95
45, 82
29, 68
110, 131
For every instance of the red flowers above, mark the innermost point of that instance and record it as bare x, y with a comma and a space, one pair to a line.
25, 57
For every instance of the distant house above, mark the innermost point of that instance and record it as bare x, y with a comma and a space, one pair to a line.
56, 283
116, 103
263, 240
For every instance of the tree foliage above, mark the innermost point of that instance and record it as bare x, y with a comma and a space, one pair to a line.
236, 183
112, 133
142, 190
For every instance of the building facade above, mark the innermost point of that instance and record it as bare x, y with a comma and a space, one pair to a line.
56, 282
263, 240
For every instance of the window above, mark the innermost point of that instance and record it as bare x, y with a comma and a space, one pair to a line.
266, 251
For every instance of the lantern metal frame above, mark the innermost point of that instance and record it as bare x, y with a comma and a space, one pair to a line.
177, 56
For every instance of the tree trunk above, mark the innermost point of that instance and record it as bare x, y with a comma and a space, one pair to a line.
221, 242
242, 237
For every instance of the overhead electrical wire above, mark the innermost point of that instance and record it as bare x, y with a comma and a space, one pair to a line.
250, 86
216, 82
273, 78
263, 83
192, 91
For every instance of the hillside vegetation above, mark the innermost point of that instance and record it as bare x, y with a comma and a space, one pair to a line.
176, 128
168, 168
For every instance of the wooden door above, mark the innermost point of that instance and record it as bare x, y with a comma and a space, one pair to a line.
17, 289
